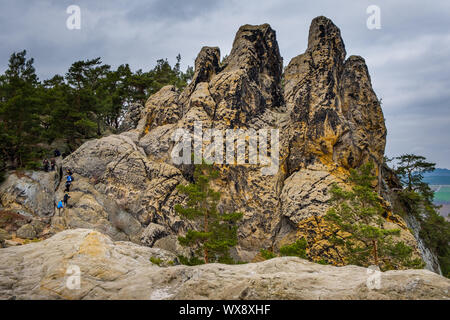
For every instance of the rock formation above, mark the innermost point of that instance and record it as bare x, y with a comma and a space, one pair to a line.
330, 121
123, 270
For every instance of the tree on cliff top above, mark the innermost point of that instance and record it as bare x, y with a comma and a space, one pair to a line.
218, 231
418, 198
358, 213
411, 168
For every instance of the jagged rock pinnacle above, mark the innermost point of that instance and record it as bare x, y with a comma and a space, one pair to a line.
325, 35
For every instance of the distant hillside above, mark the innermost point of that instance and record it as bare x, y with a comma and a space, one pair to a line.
439, 172
438, 176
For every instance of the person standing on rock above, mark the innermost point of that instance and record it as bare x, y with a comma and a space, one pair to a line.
66, 199
60, 206
69, 180
68, 183
46, 165
53, 164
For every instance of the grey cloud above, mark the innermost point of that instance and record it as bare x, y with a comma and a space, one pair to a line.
172, 10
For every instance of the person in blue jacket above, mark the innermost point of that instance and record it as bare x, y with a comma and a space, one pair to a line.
60, 206
68, 183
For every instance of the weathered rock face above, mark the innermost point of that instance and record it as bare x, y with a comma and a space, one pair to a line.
123, 270
329, 118
132, 117
249, 83
337, 118
27, 204
30, 193
118, 190
336, 123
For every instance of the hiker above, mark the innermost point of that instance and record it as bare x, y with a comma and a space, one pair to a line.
53, 164
60, 206
46, 165
67, 186
57, 153
66, 199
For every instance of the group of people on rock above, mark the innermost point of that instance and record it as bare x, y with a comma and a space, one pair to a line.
51, 166
69, 179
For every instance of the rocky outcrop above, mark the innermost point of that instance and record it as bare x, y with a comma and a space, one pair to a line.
323, 105
337, 118
28, 204
123, 270
132, 117
30, 193
117, 189
336, 123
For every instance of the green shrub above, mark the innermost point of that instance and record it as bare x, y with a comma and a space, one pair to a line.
194, 261
297, 249
156, 261
27, 241
267, 254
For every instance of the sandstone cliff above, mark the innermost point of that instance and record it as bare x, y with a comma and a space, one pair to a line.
329, 117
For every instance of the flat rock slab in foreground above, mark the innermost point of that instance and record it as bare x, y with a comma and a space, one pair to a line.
122, 270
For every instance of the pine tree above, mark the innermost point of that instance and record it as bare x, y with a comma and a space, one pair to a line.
120, 95
89, 97
20, 127
411, 169
56, 107
358, 213
218, 231
417, 196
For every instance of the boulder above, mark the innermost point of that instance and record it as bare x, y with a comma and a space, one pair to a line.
132, 117
4, 235
152, 233
170, 243
26, 232
30, 193
124, 270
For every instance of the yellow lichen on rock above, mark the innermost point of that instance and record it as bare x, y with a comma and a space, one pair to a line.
92, 245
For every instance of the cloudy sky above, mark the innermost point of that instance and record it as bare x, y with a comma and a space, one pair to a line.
408, 58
